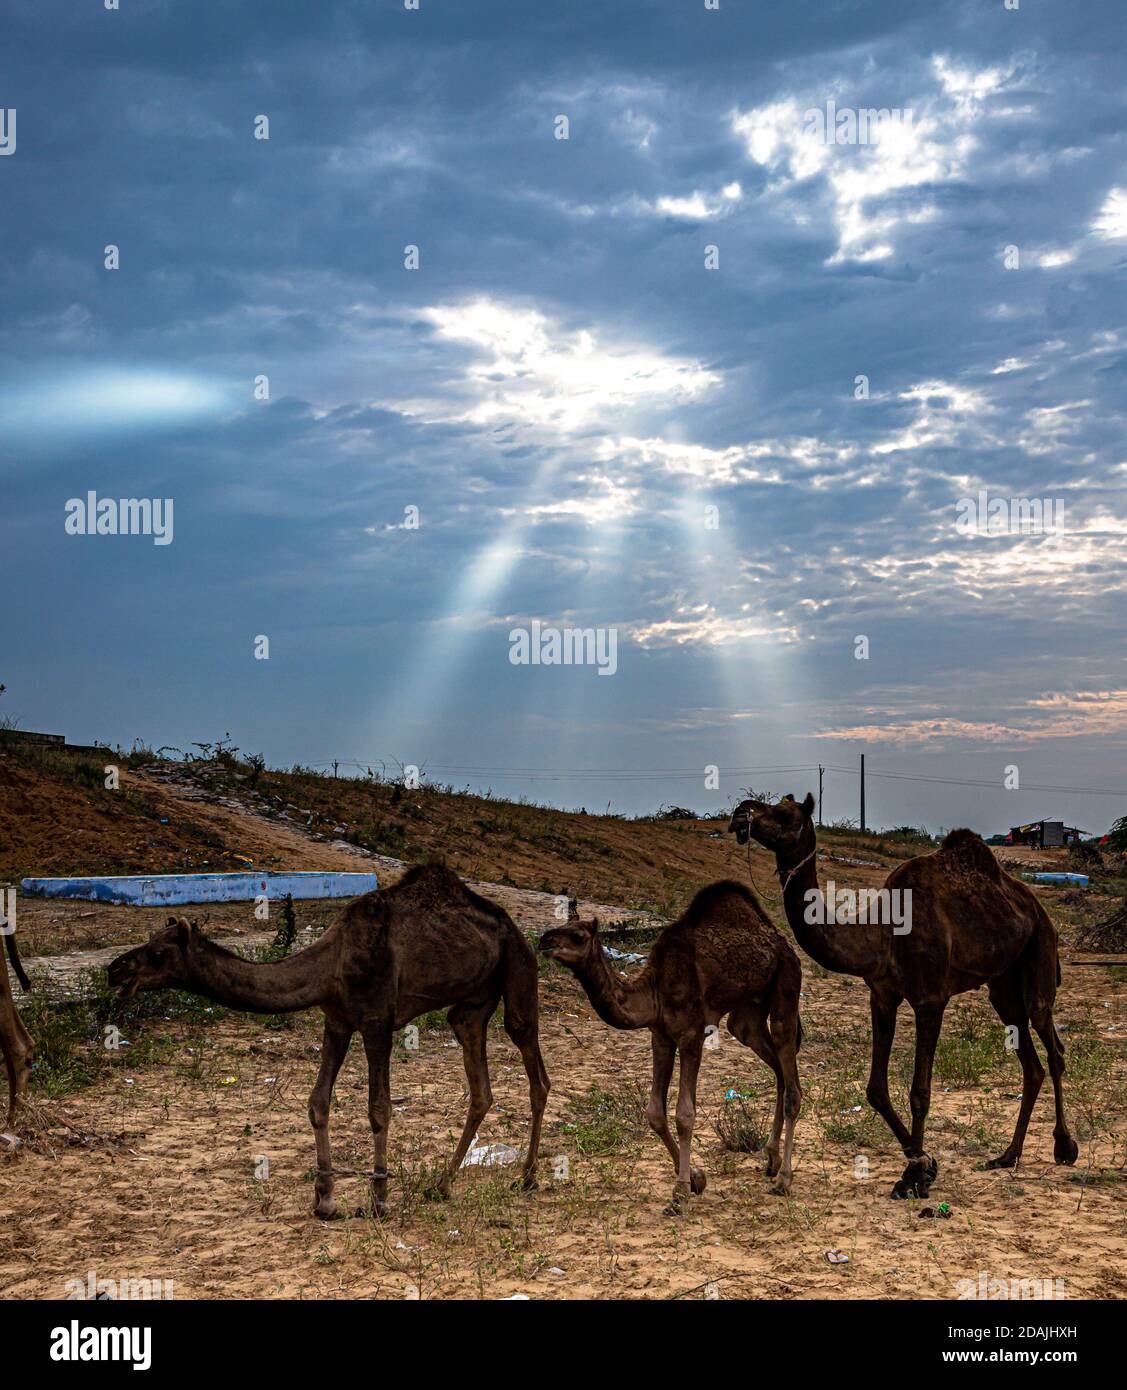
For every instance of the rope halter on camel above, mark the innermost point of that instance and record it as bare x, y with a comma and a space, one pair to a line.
791, 874
784, 881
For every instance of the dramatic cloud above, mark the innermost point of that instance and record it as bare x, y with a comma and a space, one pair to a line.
723, 370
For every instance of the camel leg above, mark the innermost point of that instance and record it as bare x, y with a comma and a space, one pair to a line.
784, 1034
691, 1045
1009, 1004
470, 1025
1065, 1149
522, 1023
538, 1088
15, 1094
334, 1049
664, 1053
883, 1014
748, 1024
920, 1173
19, 1051
377, 1046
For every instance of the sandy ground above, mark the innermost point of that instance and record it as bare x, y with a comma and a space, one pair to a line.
196, 1170
152, 1174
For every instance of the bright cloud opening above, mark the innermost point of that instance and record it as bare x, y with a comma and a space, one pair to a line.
534, 372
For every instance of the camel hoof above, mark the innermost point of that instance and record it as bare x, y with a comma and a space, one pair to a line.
774, 1163
1066, 1150
527, 1183
780, 1187
1006, 1160
437, 1191
699, 1181
916, 1179
679, 1203
377, 1211
326, 1209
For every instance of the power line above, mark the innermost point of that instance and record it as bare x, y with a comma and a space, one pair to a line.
623, 774
982, 782
624, 771
564, 772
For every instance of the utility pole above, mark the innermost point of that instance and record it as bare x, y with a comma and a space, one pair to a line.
862, 791
820, 771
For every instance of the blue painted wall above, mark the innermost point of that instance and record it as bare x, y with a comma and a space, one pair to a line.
171, 890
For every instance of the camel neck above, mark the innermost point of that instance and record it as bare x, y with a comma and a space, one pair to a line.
846, 949
619, 1002
277, 987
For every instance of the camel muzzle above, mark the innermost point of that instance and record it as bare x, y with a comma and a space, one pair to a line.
122, 978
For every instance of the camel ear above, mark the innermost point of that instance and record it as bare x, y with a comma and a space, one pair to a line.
184, 930
171, 922
594, 926
808, 803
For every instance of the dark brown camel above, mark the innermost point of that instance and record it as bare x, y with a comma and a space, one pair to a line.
722, 956
427, 943
18, 1048
971, 925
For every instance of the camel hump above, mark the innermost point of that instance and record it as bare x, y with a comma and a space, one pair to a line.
972, 850
436, 886
708, 899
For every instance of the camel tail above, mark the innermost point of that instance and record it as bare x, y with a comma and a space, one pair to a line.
17, 964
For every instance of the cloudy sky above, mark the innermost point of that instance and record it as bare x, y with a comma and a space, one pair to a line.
597, 428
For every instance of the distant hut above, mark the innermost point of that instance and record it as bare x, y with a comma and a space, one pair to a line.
1045, 834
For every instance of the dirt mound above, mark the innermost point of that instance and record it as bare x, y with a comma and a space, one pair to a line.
168, 816
68, 823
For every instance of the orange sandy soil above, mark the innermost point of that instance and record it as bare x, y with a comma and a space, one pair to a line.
51, 825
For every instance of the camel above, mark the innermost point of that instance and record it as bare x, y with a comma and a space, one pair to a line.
971, 925
19, 1050
722, 956
427, 943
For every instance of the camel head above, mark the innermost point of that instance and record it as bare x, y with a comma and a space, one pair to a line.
782, 827
161, 963
574, 945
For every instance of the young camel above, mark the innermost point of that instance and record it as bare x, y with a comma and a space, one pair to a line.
971, 925
15, 1040
427, 943
722, 956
